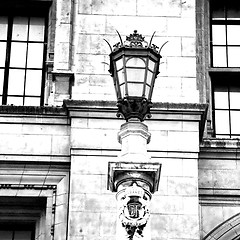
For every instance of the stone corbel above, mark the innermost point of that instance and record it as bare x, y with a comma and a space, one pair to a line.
134, 183
62, 86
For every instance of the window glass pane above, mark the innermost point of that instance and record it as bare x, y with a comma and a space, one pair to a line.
235, 119
233, 34
219, 57
18, 101
1, 81
18, 54
32, 101
33, 82
221, 98
135, 62
36, 29
222, 136
218, 12
20, 28
219, 34
234, 97
3, 28
6, 235
3, 54
16, 82
22, 235
233, 10
35, 55
233, 56
222, 122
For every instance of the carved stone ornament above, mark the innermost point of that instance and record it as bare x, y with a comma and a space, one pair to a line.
133, 211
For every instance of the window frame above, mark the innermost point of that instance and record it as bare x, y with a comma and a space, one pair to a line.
223, 22
232, 82
205, 71
28, 9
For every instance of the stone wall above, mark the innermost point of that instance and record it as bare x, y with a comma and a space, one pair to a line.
80, 47
219, 171
174, 143
35, 163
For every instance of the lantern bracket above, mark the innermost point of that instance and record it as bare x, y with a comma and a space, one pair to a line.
134, 107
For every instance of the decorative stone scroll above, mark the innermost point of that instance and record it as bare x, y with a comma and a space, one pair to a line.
134, 209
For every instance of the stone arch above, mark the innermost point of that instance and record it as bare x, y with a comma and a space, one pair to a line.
227, 230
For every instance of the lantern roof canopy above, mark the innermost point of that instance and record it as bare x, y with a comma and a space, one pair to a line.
135, 40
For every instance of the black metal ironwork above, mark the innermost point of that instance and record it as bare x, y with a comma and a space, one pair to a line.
131, 103
131, 107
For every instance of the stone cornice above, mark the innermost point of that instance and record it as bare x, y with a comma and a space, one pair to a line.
160, 111
82, 106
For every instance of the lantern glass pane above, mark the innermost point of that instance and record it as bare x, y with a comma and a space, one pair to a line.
135, 75
151, 65
120, 76
123, 92
147, 92
149, 77
135, 89
119, 63
135, 62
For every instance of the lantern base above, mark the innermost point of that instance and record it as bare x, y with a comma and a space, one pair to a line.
134, 107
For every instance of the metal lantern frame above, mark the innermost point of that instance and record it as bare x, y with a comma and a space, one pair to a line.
134, 66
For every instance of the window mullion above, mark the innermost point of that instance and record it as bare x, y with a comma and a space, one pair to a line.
7, 62
229, 112
25, 71
44, 57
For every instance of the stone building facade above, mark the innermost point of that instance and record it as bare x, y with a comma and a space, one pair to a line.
58, 124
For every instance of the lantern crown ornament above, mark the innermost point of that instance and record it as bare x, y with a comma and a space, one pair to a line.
134, 66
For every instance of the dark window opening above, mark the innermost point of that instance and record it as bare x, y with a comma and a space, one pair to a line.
17, 231
19, 217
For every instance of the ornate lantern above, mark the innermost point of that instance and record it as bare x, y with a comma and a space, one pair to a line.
134, 66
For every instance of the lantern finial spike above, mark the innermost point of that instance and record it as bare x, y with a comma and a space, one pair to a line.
149, 45
108, 44
162, 47
120, 37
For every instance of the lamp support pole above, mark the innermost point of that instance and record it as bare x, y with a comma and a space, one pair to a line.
134, 137
134, 178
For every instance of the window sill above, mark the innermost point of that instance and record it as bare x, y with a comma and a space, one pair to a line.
224, 143
223, 69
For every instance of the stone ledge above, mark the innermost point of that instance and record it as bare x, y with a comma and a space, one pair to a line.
161, 111
156, 106
220, 143
32, 110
